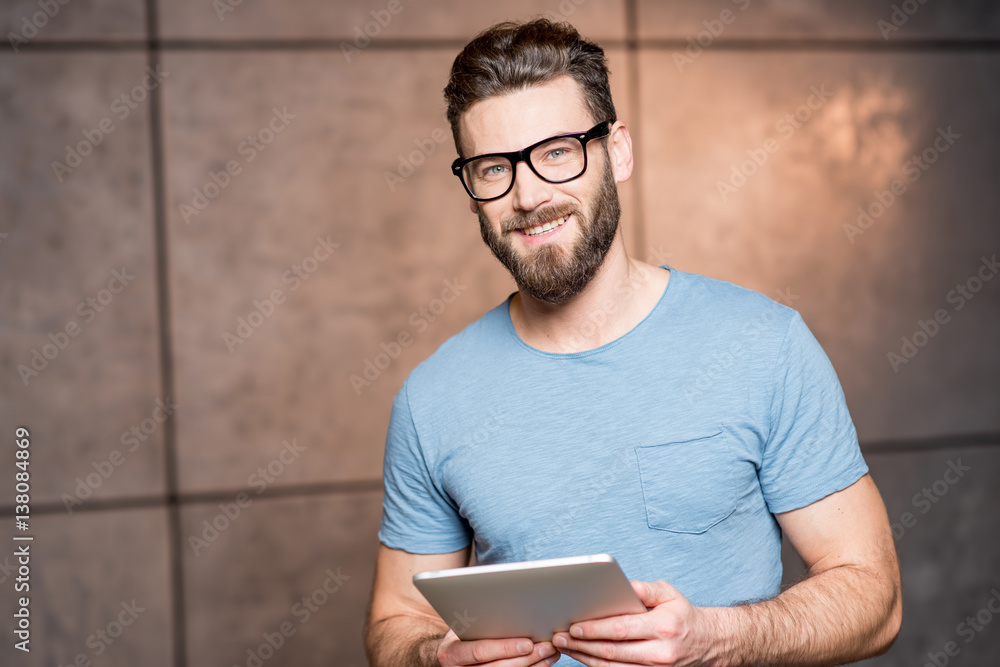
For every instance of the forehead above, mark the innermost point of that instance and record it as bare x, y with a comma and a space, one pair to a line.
510, 122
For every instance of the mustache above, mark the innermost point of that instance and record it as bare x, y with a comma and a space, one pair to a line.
523, 221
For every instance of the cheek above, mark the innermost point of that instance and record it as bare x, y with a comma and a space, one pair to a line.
582, 193
493, 215
587, 186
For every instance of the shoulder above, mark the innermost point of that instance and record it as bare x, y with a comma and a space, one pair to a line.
462, 357
733, 308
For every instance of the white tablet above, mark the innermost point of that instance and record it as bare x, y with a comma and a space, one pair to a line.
529, 599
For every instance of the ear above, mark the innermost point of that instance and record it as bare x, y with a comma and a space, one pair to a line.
473, 206
620, 152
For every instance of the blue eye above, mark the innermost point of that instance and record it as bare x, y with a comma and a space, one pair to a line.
495, 170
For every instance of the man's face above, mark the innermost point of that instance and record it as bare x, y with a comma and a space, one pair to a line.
555, 265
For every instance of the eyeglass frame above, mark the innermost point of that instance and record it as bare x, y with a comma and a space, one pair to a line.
524, 155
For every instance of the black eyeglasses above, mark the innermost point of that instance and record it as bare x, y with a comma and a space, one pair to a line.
554, 160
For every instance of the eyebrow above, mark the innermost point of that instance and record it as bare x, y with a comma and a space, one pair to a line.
557, 134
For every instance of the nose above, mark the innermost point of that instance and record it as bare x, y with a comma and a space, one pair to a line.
529, 191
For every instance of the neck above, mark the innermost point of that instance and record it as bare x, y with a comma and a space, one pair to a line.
623, 291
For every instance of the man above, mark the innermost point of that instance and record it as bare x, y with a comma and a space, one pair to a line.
676, 422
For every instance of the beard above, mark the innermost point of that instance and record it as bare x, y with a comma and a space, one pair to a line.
550, 272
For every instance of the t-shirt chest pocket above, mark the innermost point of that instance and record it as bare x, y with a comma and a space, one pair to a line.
688, 486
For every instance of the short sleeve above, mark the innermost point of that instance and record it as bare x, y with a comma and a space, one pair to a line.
416, 515
812, 446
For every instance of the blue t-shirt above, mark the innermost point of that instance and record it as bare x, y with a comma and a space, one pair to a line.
670, 448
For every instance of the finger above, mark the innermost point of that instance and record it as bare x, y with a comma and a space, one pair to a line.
653, 593
478, 651
545, 662
542, 654
615, 651
551, 660
617, 628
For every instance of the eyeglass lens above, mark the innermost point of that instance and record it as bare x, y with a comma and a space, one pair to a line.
558, 160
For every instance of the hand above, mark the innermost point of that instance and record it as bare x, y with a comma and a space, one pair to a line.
516, 652
671, 632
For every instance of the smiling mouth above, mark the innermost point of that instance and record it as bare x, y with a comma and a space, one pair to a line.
545, 227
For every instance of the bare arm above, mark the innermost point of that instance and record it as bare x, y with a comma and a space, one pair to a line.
849, 607
402, 630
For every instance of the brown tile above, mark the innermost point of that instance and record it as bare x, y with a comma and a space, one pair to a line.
323, 175
948, 550
99, 587
450, 19
784, 228
48, 20
250, 581
64, 242
785, 19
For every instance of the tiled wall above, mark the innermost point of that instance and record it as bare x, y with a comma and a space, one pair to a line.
305, 210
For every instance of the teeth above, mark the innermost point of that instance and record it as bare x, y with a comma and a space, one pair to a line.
545, 227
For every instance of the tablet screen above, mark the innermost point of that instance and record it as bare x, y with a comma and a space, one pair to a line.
528, 599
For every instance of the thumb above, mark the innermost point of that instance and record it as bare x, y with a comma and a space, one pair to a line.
655, 593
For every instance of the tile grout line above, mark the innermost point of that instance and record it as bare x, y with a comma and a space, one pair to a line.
931, 444
158, 178
203, 497
887, 447
430, 43
632, 68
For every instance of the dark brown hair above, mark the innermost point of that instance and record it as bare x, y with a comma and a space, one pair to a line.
510, 56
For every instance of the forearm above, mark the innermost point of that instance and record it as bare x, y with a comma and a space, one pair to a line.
834, 617
404, 641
